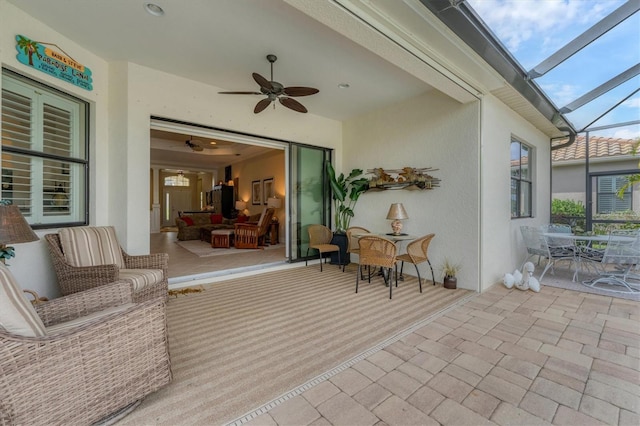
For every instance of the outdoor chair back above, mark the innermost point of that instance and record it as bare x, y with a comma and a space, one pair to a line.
380, 252
618, 261
417, 253
320, 238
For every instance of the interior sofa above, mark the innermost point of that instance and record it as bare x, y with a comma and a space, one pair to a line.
190, 224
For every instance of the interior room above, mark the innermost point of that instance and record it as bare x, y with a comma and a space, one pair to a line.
217, 175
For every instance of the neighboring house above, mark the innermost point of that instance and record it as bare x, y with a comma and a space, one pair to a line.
464, 127
610, 162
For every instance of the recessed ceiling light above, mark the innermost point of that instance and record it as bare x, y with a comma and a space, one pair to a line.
213, 143
344, 85
153, 9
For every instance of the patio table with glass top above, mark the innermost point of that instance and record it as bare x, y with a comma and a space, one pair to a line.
583, 245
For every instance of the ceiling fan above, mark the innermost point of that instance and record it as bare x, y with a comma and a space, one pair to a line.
275, 90
193, 145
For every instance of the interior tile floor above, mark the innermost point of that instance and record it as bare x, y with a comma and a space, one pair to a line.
504, 357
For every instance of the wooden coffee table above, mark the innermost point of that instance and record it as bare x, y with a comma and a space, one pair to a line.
222, 238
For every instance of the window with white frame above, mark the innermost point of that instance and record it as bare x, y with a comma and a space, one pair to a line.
44, 152
521, 179
607, 196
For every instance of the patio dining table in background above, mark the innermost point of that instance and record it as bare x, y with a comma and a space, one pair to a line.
583, 243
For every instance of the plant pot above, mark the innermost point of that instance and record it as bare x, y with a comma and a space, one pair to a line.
450, 282
341, 241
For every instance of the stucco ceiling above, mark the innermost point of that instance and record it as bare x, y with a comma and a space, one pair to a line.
221, 42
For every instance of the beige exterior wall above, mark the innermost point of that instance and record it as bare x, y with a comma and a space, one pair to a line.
502, 249
431, 130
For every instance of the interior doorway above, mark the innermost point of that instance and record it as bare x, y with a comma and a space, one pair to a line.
175, 200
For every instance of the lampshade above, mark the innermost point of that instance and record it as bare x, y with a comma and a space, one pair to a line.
13, 226
230, 183
274, 203
241, 205
397, 212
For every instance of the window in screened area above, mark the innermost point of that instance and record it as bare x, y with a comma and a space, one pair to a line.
521, 179
44, 152
607, 198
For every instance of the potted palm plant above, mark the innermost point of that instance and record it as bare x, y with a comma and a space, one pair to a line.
345, 192
450, 270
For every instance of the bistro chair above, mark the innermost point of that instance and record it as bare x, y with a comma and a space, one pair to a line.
417, 254
353, 246
553, 249
619, 258
380, 252
320, 239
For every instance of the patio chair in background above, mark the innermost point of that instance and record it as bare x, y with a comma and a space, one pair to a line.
378, 251
90, 256
250, 235
553, 249
79, 358
620, 257
320, 239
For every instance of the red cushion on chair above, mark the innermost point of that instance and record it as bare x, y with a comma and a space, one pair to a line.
216, 218
187, 220
242, 219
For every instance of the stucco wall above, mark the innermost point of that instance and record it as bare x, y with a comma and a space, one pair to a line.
502, 249
431, 130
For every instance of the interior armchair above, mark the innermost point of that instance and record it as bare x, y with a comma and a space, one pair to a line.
250, 235
79, 358
88, 257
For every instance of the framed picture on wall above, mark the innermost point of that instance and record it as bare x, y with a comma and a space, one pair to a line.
256, 197
267, 189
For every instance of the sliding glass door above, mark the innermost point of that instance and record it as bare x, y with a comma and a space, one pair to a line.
310, 201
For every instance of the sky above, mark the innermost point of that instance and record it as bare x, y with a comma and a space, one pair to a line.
532, 30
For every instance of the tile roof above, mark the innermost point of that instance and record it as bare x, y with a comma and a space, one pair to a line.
598, 147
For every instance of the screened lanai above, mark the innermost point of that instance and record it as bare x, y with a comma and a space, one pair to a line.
578, 63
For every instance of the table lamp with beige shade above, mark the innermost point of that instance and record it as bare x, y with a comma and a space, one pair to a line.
396, 214
14, 229
241, 206
274, 203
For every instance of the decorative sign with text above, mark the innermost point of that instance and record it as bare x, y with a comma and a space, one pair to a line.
35, 55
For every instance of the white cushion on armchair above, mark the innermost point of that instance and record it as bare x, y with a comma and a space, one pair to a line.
17, 314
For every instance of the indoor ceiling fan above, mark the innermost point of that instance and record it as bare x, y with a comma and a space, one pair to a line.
275, 90
193, 145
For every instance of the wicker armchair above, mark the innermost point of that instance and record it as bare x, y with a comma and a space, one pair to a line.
378, 251
417, 253
147, 274
96, 354
251, 235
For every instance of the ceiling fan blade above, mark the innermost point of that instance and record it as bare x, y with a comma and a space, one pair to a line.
240, 93
263, 82
292, 104
299, 91
260, 106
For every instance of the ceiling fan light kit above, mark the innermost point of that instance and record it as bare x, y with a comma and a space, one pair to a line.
276, 91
